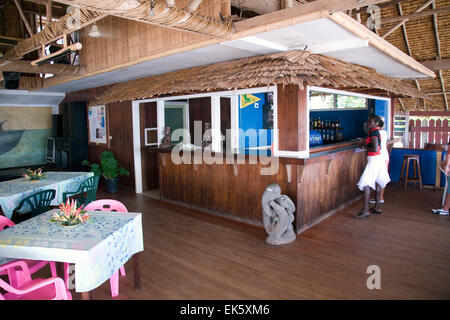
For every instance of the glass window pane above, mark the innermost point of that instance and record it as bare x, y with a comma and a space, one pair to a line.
350, 102
321, 100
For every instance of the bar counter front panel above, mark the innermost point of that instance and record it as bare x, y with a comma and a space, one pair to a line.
319, 186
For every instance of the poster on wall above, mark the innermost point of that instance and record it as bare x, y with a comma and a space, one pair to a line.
97, 124
23, 135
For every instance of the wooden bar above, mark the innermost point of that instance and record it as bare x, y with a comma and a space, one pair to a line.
318, 185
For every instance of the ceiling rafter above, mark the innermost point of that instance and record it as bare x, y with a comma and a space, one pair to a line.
408, 48
24, 19
398, 25
438, 48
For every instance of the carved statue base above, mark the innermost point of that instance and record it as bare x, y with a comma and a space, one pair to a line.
278, 216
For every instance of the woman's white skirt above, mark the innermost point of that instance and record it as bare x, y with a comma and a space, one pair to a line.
375, 172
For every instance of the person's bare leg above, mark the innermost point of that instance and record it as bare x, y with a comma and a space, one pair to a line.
382, 194
366, 199
377, 197
447, 202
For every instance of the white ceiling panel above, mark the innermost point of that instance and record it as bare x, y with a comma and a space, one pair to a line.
320, 36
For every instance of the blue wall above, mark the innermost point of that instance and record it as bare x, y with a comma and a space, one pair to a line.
352, 120
251, 117
427, 165
381, 107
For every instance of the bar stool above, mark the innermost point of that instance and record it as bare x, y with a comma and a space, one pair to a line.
404, 176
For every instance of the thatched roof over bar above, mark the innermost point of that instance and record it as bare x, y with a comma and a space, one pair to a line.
292, 67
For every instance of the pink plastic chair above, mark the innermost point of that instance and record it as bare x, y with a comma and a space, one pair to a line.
38, 289
17, 278
104, 205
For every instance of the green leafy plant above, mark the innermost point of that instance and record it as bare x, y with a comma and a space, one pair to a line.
108, 167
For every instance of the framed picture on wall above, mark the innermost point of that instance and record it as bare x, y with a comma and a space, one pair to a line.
97, 124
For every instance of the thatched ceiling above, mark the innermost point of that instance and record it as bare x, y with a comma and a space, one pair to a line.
420, 35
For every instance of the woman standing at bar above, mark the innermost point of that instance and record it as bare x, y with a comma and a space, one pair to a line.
445, 167
375, 175
384, 154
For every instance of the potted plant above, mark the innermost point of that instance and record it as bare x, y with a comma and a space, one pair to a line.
110, 169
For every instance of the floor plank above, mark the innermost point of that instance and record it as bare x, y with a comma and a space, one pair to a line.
195, 255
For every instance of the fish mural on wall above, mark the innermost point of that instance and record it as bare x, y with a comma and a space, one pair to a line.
23, 135
9, 139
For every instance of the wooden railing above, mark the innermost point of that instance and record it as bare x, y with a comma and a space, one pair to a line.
434, 130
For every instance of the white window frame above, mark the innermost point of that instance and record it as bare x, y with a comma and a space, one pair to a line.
215, 114
355, 94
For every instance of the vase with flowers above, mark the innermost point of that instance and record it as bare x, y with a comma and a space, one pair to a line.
69, 214
34, 175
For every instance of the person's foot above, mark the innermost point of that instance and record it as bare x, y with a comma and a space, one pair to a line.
373, 210
373, 201
362, 215
440, 212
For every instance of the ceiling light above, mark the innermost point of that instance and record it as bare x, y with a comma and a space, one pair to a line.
70, 9
152, 5
94, 32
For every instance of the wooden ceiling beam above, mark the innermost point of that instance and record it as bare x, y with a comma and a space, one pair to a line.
438, 64
54, 31
416, 15
426, 4
438, 49
24, 19
163, 16
381, 6
408, 48
25, 67
48, 12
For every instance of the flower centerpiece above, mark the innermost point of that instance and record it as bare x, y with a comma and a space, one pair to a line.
34, 174
69, 214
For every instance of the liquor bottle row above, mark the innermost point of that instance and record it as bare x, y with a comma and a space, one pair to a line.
330, 130
330, 135
317, 123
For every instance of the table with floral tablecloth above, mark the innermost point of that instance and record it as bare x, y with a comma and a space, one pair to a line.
13, 191
98, 248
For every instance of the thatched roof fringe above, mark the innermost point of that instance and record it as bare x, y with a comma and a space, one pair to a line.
293, 67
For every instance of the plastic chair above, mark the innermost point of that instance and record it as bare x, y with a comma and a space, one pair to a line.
39, 202
106, 205
88, 187
38, 289
18, 278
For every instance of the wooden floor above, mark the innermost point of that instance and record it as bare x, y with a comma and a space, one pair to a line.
195, 255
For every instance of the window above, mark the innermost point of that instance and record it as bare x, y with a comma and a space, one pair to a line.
326, 101
176, 117
350, 102
321, 100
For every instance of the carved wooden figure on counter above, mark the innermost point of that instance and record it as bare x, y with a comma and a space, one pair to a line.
278, 215
207, 137
166, 142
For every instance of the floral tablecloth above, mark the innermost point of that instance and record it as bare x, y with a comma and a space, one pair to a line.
98, 248
13, 191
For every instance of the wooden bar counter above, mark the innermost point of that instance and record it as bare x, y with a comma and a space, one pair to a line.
319, 186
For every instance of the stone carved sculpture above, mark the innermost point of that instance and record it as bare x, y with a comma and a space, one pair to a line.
278, 215
166, 142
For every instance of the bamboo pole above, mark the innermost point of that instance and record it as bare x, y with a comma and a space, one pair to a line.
25, 67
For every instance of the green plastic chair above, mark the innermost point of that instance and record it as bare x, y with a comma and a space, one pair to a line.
39, 202
87, 191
